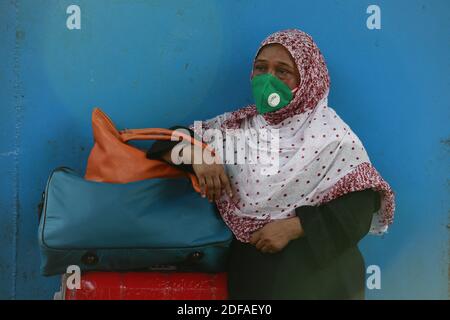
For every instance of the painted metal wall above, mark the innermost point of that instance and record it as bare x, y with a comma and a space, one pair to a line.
159, 63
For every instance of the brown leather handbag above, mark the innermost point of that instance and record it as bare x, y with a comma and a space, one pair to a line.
113, 160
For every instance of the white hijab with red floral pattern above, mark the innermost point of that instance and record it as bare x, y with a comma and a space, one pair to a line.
320, 157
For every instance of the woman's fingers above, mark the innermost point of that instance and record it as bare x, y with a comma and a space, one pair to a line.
263, 249
226, 184
260, 244
202, 182
254, 238
266, 249
211, 189
217, 187
214, 179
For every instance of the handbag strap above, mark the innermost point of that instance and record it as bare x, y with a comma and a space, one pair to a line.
161, 134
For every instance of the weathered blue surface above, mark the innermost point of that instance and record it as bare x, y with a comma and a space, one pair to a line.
159, 63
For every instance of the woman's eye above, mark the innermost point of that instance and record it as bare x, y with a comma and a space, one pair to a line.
260, 68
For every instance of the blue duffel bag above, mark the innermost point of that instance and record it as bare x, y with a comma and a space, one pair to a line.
130, 226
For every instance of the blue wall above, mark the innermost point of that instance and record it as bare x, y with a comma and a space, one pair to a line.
159, 63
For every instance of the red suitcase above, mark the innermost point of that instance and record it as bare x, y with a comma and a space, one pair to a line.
147, 286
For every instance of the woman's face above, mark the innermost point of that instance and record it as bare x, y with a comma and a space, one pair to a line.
276, 60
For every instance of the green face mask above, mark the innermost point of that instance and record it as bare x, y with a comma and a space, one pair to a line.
270, 93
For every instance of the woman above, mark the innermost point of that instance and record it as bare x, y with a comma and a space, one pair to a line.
296, 229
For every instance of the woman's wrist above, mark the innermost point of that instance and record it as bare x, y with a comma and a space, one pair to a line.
295, 229
188, 154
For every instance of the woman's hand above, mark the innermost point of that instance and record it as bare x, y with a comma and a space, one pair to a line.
274, 236
211, 176
213, 180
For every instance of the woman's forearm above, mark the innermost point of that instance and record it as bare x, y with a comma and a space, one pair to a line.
167, 156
